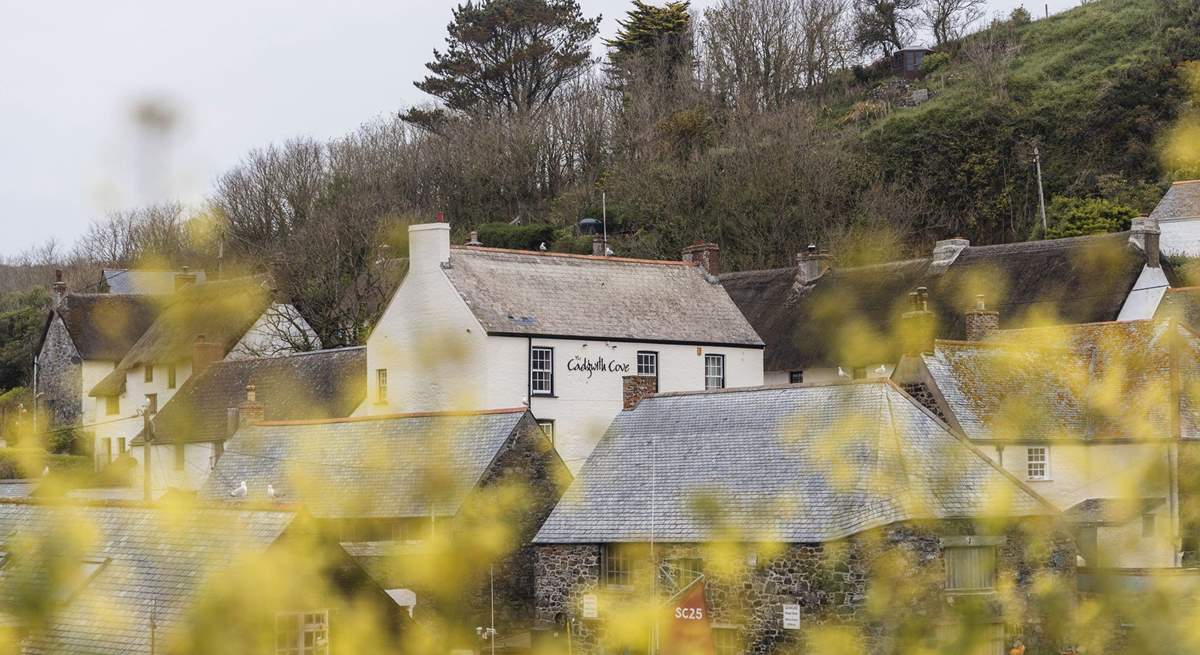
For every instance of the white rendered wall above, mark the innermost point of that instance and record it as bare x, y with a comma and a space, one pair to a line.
1180, 237
198, 461
93, 372
1148, 291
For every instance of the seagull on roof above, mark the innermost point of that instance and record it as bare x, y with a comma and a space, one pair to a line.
542, 246
239, 491
271, 491
608, 252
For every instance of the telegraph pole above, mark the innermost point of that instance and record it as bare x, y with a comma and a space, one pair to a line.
1037, 160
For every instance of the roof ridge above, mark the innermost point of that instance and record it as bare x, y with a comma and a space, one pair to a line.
571, 255
384, 417
766, 387
321, 351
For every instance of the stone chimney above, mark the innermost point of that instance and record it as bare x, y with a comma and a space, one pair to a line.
250, 411
184, 278
981, 322
917, 325
945, 252
204, 353
599, 245
811, 264
60, 287
428, 246
636, 387
1144, 235
708, 255
473, 238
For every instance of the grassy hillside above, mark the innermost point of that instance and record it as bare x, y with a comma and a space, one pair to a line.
1093, 88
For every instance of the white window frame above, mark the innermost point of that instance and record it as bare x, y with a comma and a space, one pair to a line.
796, 377
1037, 457
710, 376
956, 549
547, 426
544, 366
647, 363
300, 625
381, 386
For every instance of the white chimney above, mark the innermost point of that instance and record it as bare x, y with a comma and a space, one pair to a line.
428, 245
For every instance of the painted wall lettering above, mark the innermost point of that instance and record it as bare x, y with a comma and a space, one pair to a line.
596, 365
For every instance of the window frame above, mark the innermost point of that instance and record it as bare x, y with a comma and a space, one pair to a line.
180, 455
148, 373
793, 375
1044, 462
106, 447
299, 626
727, 641
543, 423
685, 571
122, 446
152, 403
381, 386
652, 356
714, 357
534, 390
1149, 525
171, 376
112, 405
952, 547
623, 572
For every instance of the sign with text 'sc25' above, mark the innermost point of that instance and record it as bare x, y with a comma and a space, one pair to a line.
688, 629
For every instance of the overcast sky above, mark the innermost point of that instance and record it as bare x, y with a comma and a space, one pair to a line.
240, 74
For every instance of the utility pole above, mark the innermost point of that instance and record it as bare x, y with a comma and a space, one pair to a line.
147, 440
604, 218
1037, 160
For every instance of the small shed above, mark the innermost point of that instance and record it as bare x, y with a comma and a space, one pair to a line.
906, 62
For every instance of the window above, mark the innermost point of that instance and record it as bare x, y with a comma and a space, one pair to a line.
106, 450
616, 566
170, 376
858, 372
685, 571
547, 426
381, 385
714, 371
149, 372
970, 569
1037, 463
541, 371
727, 641
152, 403
647, 363
120, 445
112, 405
1147, 526
796, 377
302, 633
180, 455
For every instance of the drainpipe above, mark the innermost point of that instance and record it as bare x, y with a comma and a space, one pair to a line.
1176, 433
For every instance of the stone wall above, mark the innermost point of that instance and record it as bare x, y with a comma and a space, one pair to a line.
921, 393
830, 582
60, 377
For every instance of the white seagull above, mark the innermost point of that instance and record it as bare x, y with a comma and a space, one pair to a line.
542, 246
271, 490
239, 491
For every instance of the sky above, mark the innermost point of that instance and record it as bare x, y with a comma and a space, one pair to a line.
235, 75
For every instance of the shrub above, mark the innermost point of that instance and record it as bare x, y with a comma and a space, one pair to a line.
1070, 217
517, 237
18, 463
934, 62
1020, 16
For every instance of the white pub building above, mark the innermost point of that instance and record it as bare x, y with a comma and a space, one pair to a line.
483, 328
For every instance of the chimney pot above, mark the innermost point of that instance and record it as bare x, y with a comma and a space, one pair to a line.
60, 287
707, 255
634, 388
1146, 235
473, 238
811, 264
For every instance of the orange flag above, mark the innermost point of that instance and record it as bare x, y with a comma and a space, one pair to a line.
688, 629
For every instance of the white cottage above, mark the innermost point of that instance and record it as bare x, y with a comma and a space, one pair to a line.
484, 328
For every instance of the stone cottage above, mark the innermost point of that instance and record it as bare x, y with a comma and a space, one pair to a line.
440, 508
799, 508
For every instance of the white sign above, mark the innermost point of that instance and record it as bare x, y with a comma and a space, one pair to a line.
791, 617
589, 607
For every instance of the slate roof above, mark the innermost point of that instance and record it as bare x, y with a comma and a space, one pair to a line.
1092, 381
321, 384
153, 561
1180, 202
581, 296
220, 311
797, 464
404, 465
1111, 511
104, 326
1181, 304
126, 280
851, 317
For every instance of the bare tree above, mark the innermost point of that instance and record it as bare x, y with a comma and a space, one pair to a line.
884, 26
949, 19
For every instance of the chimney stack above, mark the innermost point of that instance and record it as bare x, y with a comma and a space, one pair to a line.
811, 264
60, 287
1144, 234
473, 238
184, 278
428, 245
205, 353
981, 322
250, 411
636, 387
707, 255
599, 245
916, 326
